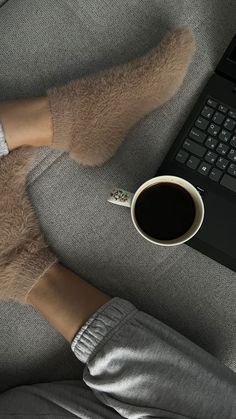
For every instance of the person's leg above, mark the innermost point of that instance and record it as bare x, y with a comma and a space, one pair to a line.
133, 363
90, 118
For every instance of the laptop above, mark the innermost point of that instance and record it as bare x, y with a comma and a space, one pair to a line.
204, 153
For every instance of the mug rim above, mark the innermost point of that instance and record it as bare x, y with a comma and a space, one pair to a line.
179, 181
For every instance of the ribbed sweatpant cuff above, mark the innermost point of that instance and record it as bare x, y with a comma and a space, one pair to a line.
100, 326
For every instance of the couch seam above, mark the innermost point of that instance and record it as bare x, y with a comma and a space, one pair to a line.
32, 182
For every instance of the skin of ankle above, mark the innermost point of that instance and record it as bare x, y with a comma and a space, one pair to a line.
65, 300
26, 122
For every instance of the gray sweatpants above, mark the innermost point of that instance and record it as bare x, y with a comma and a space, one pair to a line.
135, 367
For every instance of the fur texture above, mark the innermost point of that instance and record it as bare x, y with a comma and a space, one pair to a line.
92, 116
24, 256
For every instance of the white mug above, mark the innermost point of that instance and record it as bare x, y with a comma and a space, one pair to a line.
128, 199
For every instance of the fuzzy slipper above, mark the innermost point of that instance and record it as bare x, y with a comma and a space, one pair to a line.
91, 117
24, 255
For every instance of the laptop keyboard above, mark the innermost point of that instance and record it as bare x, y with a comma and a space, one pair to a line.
210, 147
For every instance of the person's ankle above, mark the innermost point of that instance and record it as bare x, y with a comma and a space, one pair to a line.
66, 300
26, 122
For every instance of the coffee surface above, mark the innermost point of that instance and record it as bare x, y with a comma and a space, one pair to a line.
165, 211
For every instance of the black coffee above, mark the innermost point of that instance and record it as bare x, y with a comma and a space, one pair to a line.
165, 211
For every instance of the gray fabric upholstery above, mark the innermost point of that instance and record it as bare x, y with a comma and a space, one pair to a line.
46, 43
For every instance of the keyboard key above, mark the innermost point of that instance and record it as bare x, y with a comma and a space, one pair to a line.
204, 168
193, 162
211, 143
232, 114
229, 182
232, 169
213, 129
210, 157
222, 149
215, 174
201, 123
224, 136
197, 135
218, 118
230, 124
223, 108
182, 156
194, 148
212, 103
222, 163
207, 112
233, 141
232, 155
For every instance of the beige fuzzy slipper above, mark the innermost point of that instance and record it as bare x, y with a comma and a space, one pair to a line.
24, 255
91, 117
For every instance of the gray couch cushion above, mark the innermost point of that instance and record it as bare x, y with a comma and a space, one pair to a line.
46, 43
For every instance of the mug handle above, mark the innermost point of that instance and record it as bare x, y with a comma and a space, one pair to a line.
120, 197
